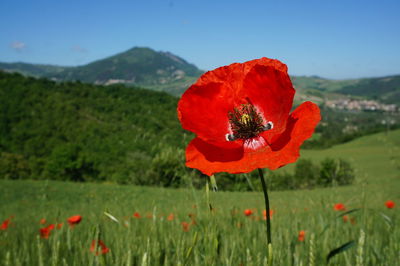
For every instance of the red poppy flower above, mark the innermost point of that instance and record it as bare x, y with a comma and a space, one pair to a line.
170, 217
45, 232
5, 224
136, 215
390, 204
74, 220
240, 114
185, 226
339, 207
59, 226
302, 235
96, 250
271, 212
248, 212
42, 221
345, 218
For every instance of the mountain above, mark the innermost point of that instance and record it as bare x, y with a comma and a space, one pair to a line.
164, 71
35, 70
138, 66
385, 89
319, 83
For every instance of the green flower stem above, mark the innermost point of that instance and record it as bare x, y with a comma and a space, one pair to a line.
268, 220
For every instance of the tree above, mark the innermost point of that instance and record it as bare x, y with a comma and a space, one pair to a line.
336, 172
306, 174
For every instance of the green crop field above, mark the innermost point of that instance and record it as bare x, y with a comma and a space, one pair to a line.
223, 236
376, 158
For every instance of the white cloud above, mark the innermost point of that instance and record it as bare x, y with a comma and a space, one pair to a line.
18, 46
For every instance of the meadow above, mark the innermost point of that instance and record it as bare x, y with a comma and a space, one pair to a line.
164, 226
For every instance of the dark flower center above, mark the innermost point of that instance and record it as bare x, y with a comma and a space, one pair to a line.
246, 123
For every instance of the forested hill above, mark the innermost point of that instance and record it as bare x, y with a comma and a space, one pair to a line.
85, 132
76, 131
385, 89
139, 66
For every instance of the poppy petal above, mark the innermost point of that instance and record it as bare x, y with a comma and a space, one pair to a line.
210, 159
283, 149
203, 108
271, 91
300, 126
207, 157
200, 111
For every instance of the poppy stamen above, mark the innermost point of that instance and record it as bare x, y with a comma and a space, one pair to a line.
246, 123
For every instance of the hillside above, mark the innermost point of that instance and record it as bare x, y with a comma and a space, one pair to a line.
85, 132
76, 131
386, 89
35, 70
382, 89
319, 83
138, 66
376, 157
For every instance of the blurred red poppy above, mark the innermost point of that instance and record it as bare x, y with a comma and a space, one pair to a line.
247, 212
240, 115
42, 221
59, 226
136, 215
302, 235
45, 232
74, 220
100, 249
5, 224
390, 204
185, 226
271, 212
170, 217
345, 218
339, 207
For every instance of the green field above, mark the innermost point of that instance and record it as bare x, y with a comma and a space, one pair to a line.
221, 237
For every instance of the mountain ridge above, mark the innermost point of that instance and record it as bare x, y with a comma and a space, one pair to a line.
165, 71
139, 66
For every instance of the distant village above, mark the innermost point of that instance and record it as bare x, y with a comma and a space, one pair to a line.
351, 104
361, 105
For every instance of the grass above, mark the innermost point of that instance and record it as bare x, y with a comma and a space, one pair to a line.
223, 236
375, 158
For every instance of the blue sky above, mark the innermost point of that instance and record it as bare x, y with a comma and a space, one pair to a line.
333, 39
